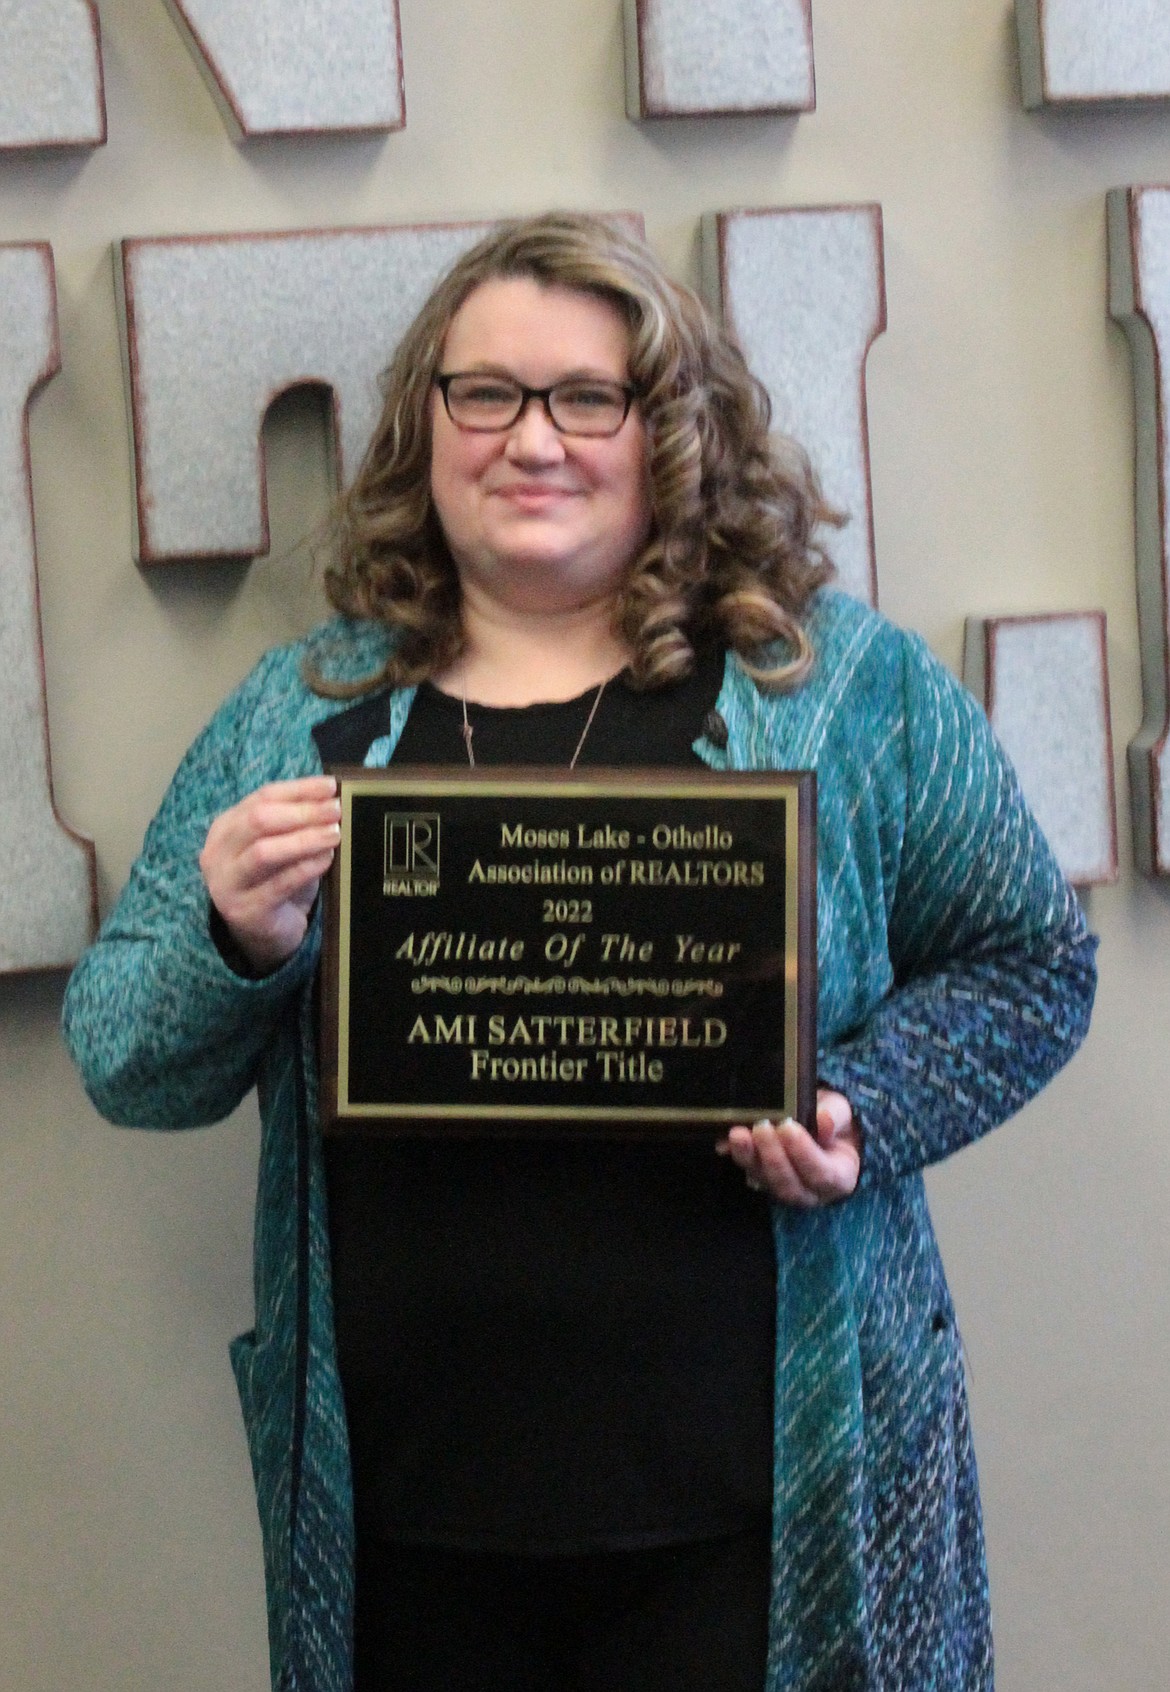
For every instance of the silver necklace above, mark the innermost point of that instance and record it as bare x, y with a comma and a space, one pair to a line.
468, 731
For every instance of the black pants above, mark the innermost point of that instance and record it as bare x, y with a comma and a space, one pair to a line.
678, 1618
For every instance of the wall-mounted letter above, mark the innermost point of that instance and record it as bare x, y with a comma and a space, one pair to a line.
287, 67
1083, 50
719, 56
1139, 298
1044, 683
51, 92
216, 327
48, 894
803, 291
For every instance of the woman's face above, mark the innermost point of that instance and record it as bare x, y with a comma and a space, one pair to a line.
536, 519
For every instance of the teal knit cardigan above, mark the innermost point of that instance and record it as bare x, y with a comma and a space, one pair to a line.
956, 977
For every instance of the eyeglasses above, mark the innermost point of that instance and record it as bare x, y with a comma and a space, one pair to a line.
580, 405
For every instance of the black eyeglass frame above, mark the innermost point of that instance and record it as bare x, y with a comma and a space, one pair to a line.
544, 395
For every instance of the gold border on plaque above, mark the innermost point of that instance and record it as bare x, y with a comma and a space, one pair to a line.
516, 785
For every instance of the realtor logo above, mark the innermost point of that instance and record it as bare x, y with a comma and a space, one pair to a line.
411, 865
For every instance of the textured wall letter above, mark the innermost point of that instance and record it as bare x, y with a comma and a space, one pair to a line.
282, 67
50, 74
684, 58
215, 327
48, 897
1080, 50
803, 291
1139, 298
1044, 684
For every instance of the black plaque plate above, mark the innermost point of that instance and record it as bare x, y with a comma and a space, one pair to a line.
606, 951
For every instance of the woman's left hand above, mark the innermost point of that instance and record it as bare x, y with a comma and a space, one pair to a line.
790, 1165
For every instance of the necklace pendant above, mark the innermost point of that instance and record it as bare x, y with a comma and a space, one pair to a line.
467, 730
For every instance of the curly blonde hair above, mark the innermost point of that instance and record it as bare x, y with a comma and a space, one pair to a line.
732, 552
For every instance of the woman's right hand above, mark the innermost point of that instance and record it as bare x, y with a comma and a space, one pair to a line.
263, 861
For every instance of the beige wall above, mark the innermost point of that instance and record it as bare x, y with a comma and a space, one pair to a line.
1001, 426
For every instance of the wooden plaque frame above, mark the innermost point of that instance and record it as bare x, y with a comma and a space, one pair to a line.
451, 885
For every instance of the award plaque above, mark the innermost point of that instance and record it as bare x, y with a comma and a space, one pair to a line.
598, 951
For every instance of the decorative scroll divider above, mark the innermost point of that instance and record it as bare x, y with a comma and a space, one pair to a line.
803, 290
48, 892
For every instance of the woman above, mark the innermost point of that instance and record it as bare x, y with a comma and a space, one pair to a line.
612, 1415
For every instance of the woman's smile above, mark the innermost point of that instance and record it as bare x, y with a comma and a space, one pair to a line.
535, 495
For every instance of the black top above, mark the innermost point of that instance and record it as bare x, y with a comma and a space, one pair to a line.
550, 1345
